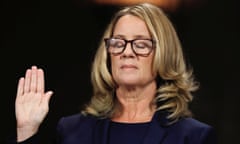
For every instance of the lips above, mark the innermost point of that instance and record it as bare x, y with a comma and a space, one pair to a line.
128, 66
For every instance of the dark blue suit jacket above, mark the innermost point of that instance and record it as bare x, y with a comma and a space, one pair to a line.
79, 129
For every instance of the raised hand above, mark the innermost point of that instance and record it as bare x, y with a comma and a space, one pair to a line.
32, 103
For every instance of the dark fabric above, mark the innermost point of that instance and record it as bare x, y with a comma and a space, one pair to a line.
127, 133
32, 140
77, 129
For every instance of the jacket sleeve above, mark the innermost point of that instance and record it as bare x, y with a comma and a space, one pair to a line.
32, 140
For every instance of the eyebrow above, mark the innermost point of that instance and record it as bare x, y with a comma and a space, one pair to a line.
135, 37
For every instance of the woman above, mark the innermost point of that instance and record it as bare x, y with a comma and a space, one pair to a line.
141, 85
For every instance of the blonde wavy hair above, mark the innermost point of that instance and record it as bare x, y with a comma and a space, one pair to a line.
175, 81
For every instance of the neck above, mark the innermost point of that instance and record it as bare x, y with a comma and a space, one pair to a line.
135, 104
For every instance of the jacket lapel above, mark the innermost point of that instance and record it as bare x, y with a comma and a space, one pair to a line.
157, 132
100, 134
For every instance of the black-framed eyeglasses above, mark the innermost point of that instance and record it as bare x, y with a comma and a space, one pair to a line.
142, 47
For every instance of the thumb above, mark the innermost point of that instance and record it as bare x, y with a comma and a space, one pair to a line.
47, 96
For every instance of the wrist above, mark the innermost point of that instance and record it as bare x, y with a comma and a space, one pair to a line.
26, 132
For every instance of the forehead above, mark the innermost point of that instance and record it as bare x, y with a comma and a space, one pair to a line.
129, 25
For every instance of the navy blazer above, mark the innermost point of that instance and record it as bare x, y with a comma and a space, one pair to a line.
79, 129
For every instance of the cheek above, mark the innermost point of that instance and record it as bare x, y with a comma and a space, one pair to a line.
147, 70
113, 65
147, 64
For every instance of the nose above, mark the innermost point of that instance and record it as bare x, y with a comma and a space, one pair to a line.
128, 50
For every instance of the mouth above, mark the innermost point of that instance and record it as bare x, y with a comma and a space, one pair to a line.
128, 67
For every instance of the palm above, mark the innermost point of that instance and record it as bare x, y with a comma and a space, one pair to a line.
31, 102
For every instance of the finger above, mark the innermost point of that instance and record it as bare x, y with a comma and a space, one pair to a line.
33, 80
47, 97
20, 88
40, 79
27, 80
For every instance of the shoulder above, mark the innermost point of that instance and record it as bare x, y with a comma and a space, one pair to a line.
185, 123
76, 122
69, 128
192, 123
78, 119
191, 126
193, 130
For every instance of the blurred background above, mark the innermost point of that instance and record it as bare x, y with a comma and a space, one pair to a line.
61, 37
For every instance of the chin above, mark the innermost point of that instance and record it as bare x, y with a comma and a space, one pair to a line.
129, 83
